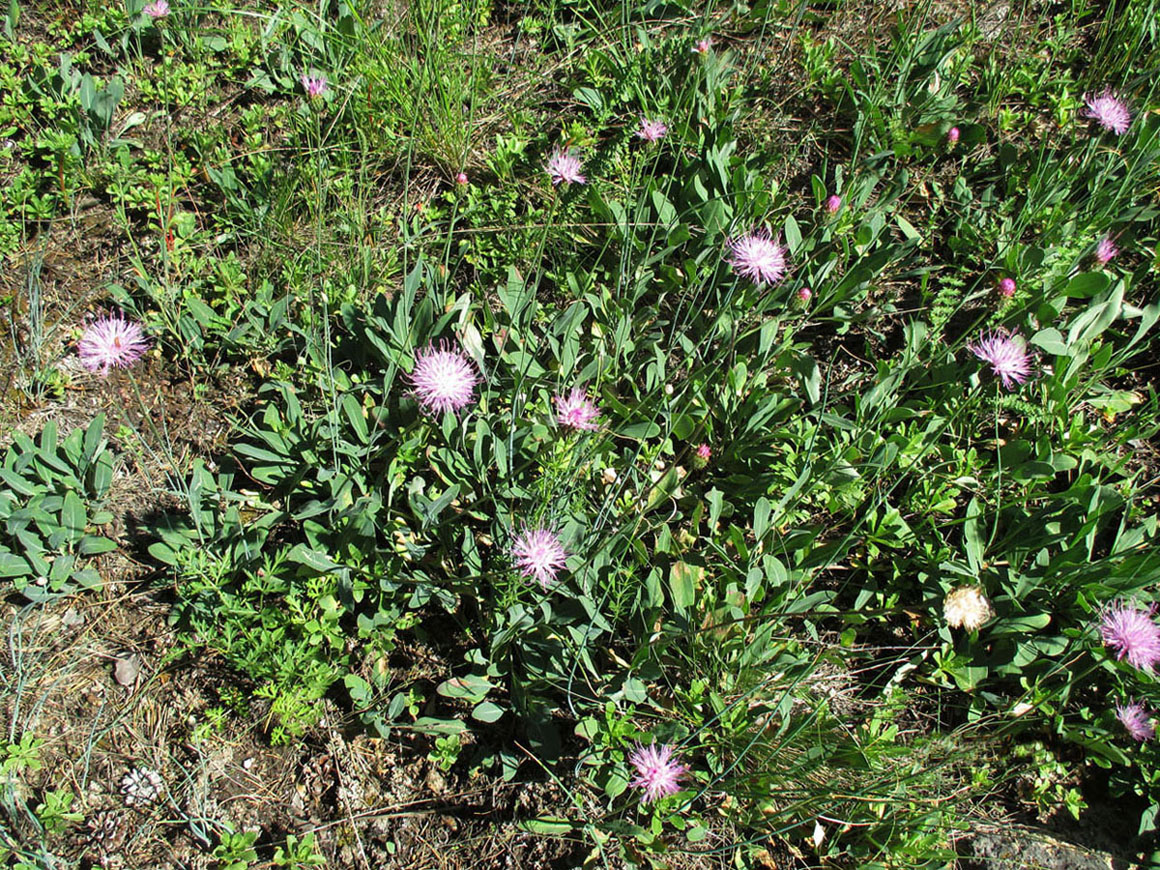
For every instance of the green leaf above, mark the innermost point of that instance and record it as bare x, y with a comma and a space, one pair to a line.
12, 565
793, 235
469, 687
807, 369
683, 580
303, 555
354, 413
972, 541
73, 517
487, 712
1087, 284
94, 545
549, 827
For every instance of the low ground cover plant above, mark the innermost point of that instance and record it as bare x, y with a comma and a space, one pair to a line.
732, 422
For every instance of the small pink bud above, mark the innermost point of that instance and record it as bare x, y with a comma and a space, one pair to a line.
1007, 288
461, 178
833, 204
701, 456
804, 294
702, 46
953, 135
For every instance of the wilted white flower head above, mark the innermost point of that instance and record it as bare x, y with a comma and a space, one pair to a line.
967, 607
142, 786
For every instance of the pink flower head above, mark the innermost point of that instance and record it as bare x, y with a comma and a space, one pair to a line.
705, 452
1136, 720
804, 294
833, 204
314, 84
657, 771
757, 257
1109, 111
444, 378
1007, 288
564, 166
111, 342
577, 411
1132, 633
1007, 355
461, 178
1105, 250
157, 9
539, 553
702, 46
651, 131
952, 135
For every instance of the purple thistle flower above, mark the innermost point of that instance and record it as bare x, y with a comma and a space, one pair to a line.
833, 204
1132, 633
1007, 288
577, 411
1136, 721
1105, 250
952, 135
539, 553
111, 342
564, 166
1007, 355
444, 378
658, 772
157, 9
757, 257
1109, 111
314, 84
651, 131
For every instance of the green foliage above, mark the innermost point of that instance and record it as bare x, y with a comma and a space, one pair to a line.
53, 495
236, 851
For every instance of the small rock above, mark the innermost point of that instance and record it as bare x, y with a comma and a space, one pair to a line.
127, 669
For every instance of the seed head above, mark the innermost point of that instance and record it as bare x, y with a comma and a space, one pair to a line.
1109, 111
757, 257
967, 607
564, 166
577, 411
111, 342
1132, 633
658, 771
1007, 355
1136, 721
539, 553
444, 378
